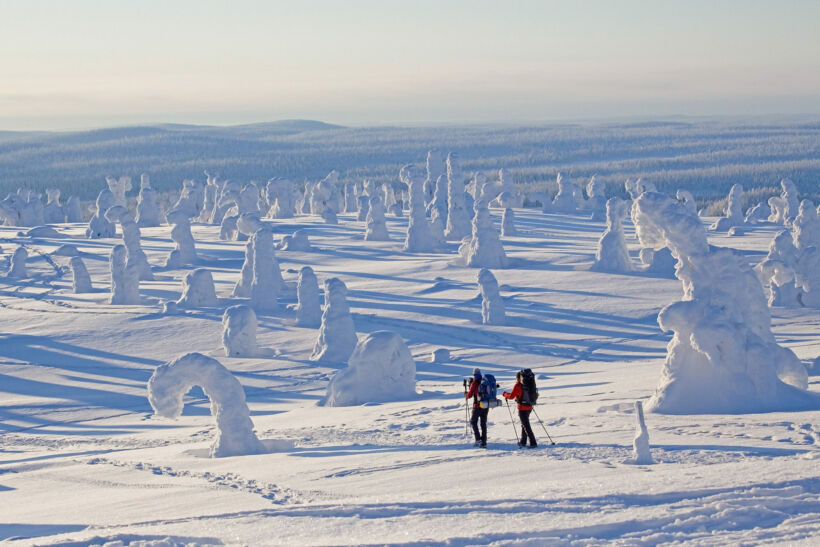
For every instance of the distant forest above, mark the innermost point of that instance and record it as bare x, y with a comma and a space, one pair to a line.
705, 157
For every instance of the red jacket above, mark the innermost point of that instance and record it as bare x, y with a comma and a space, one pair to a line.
516, 394
473, 392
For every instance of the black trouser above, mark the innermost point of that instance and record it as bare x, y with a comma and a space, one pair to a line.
526, 430
480, 414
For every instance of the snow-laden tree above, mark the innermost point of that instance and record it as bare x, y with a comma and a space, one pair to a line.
733, 212
641, 454
125, 277
337, 336
119, 187
73, 210
785, 206
419, 238
723, 356
234, 429
81, 281
612, 254
564, 201
492, 305
267, 277
198, 290
596, 202
184, 252
508, 223
364, 208
53, 210
435, 168
376, 227
458, 219
483, 249
687, 199
17, 268
148, 212
308, 310
380, 369
281, 198
239, 332
131, 238
99, 227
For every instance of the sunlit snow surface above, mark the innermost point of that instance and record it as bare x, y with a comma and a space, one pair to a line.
83, 460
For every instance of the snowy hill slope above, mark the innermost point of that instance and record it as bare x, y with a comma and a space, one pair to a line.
83, 460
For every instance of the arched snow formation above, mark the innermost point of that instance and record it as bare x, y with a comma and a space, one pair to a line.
170, 382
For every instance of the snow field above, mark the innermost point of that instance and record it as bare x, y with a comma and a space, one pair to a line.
83, 457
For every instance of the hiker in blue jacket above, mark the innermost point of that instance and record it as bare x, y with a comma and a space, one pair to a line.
478, 412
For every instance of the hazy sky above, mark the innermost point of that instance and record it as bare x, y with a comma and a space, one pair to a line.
78, 63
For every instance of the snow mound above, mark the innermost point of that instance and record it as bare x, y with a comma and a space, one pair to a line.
658, 261
170, 382
239, 332
198, 290
723, 356
380, 369
298, 241
42, 232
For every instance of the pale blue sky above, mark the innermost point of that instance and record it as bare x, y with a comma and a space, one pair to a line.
79, 63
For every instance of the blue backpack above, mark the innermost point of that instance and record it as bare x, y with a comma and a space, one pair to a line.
487, 389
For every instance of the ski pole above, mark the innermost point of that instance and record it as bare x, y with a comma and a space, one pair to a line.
542, 425
466, 411
512, 421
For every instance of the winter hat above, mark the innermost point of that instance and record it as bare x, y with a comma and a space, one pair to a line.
476, 374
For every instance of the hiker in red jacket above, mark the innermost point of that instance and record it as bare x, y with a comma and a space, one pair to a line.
524, 411
478, 412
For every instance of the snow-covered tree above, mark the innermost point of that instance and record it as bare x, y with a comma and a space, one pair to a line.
234, 429
337, 337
